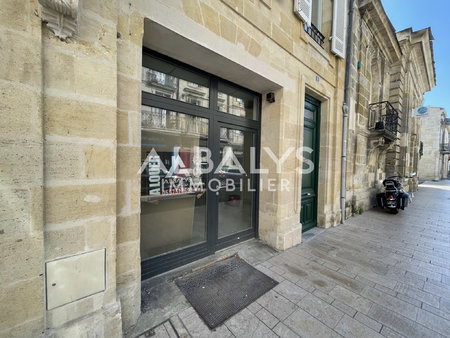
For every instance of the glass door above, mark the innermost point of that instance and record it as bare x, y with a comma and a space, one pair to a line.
173, 189
173, 192
236, 194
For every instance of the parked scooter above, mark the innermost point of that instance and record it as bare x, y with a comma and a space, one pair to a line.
394, 197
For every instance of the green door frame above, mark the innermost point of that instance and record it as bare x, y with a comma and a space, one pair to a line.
309, 197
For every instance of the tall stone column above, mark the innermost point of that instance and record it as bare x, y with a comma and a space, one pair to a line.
129, 60
80, 120
21, 171
395, 155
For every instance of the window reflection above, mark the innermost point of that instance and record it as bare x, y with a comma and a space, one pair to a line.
237, 102
236, 181
165, 120
159, 83
173, 194
309, 114
164, 79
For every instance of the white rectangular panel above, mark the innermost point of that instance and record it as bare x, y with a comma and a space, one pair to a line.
72, 278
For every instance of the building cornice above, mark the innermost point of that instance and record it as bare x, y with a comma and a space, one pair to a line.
379, 22
421, 43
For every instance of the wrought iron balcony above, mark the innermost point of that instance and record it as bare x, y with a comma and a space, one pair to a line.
316, 35
384, 119
445, 148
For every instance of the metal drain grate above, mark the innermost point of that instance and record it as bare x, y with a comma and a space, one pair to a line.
222, 290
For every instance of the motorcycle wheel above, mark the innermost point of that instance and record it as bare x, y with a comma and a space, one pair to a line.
393, 211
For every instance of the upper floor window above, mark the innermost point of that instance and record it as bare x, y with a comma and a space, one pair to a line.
316, 17
310, 12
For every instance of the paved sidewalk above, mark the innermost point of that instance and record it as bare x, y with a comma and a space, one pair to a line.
377, 275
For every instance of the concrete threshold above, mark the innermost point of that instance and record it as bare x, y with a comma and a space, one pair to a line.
160, 297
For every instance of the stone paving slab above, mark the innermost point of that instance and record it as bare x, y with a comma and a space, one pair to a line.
378, 275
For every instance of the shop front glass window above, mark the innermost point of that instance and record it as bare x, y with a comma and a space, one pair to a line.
173, 187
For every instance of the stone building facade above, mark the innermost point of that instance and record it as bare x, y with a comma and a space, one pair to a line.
433, 164
86, 86
390, 74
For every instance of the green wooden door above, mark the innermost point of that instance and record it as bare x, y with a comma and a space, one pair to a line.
308, 214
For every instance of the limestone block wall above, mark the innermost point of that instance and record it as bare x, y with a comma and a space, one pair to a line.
372, 75
58, 168
414, 149
430, 163
419, 78
21, 172
409, 127
445, 139
70, 140
391, 67
395, 156
80, 161
129, 59
444, 170
407, 93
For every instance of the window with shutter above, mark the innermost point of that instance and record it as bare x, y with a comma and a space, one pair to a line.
316, 14
339, 27
303, 8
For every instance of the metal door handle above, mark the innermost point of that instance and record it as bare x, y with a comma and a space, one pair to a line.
308, 194
217, 193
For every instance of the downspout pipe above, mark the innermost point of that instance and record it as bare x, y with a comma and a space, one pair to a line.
348, 60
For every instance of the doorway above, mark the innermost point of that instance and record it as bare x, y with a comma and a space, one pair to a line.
311, 144
198, 194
